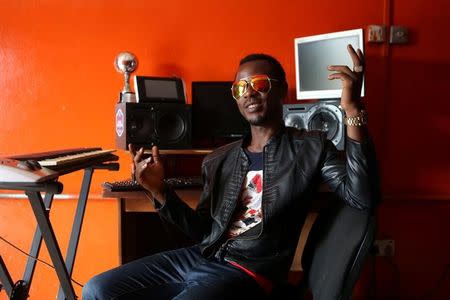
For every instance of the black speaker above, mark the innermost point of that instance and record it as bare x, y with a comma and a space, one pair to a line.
167, 125
324, 116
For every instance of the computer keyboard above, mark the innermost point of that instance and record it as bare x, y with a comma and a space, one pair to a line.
126, 185
184, 182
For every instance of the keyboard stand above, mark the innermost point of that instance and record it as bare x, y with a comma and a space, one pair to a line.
44, 230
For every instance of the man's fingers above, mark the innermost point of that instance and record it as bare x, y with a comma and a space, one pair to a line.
355, 58
361, 57
343, 69
143, 165
341, 76
155, 154
138, 156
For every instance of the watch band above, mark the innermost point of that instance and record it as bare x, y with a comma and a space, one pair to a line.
359, 120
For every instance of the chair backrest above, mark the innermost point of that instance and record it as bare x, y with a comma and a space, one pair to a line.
337, 246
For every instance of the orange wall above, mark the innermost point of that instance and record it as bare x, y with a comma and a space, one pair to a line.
59, 88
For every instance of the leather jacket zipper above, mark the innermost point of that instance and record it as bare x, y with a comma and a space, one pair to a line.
225, 244
220, 254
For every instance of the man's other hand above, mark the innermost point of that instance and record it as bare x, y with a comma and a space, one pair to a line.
149, 172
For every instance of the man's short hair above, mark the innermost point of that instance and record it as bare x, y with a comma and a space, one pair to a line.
277, 68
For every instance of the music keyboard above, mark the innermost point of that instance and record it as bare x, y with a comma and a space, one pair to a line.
40, 167
73, 158
12, 170
53, 154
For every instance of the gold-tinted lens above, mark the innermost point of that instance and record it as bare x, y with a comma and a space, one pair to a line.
260, 84
238, 89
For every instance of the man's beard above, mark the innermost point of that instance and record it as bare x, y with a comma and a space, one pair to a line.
257, 121
265, 118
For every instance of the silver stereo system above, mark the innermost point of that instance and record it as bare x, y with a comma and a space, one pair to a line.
324, 116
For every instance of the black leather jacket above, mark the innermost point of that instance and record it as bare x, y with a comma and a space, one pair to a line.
295, 162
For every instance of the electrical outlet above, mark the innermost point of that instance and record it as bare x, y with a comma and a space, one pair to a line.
384, 247
399, 35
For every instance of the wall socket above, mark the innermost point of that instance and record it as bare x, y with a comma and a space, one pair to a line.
399, 35
384, 247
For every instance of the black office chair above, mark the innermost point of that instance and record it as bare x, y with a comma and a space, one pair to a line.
337, 247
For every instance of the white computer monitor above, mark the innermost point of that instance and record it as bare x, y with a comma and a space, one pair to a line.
313, 54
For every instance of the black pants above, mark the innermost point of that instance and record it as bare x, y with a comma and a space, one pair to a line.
178, 274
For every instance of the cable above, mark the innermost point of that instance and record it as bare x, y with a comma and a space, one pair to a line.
17, 248
35, 258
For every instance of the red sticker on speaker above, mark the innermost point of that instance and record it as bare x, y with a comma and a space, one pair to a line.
119, 122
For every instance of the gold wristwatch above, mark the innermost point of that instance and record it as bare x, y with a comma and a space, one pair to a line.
359, 120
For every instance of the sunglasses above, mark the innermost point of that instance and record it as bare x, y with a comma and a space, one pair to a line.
259, 83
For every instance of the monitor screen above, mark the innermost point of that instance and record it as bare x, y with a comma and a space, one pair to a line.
159, 89
313, 54
215, 114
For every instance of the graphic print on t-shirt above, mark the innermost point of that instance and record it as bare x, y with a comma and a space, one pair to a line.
248, 213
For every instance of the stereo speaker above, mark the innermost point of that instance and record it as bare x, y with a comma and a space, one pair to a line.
324, 116
167, 125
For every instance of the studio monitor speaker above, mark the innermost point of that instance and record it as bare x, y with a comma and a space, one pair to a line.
167, 125
324, 116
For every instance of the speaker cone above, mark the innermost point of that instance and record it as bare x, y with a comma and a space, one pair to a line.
141, 125
324, 120
293, 120
171, 126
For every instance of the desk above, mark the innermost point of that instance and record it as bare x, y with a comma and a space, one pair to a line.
141, 231
134, 233
137, 201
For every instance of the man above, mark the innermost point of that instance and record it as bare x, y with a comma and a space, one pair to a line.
255, 198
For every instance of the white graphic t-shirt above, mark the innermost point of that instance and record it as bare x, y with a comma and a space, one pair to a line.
248, 212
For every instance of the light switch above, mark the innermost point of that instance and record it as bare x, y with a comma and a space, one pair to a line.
376, 33
399, 35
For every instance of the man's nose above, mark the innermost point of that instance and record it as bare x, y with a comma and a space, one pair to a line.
250, 92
